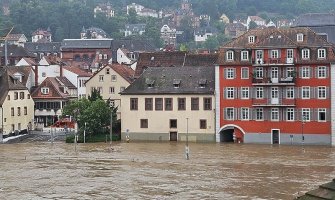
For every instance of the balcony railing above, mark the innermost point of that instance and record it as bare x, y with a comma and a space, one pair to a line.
273, 81
273, 61
275, 102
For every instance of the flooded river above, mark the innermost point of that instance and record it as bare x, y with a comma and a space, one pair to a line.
160, 171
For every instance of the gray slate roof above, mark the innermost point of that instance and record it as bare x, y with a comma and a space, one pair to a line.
87, 43
37, 47
163, 79
325, 191
315, 19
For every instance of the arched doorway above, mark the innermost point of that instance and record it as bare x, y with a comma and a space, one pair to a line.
231, 133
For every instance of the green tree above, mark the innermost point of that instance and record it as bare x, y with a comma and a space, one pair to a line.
95, 95
132, 16
211, 43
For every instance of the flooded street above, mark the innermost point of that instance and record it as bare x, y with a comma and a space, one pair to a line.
160, 171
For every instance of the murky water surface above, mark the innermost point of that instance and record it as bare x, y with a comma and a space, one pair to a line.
160, 171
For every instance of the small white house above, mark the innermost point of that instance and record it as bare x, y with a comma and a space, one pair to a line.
77, 77
47, 67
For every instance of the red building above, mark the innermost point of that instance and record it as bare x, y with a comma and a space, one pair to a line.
273, 86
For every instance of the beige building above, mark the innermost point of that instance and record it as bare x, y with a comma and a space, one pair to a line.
110, 81
16, 104
167, 103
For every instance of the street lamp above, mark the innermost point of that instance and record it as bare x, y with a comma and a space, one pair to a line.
302, 130
1, 134
187, 149
85, 133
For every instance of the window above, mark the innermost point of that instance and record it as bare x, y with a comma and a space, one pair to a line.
100, 90
244, 93
144, 123
21, 95
289, 114
28, 96
207, 103
259, 114
321, 53
111, 103
105, 56
322, 72
305, 72
322, 92
300, 37
18, 111
107, 71
274, 54
251, 39
12, 111
194, 103
274, 114
230, 55
101, 78
203, 124
322, 115
244, 73
148, 104
244, 55
306, 115
25, 110
45, 90
305, 92
230, 92
16, 95
100, 56
113, 78
259, 93
44, 74
290, 92
181, 104
259, 72
229, 113
230, 73
173, 123
111, 90
245, 114
8, 97
122, 89
133, 104
168, 104
305, 54
290, 72
158, 103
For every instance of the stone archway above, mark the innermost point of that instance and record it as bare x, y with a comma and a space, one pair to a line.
231, 133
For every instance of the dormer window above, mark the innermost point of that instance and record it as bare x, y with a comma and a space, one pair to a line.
107, 71
251, 39
305, 54
202, 83
230, 55
176, 83
321, 53
45, 90
150, 83
244, 55
300, 37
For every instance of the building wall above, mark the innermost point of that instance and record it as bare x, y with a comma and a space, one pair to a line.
159, 121
17, 119
45, 71
122, 58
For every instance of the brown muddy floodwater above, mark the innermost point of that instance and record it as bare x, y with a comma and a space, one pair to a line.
160, 171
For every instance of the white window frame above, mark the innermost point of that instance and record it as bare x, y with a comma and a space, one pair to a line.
321, 53
230, 113
290, 114
230, 92
245, 112
274, 114
305, 54
244, 71
113, 78
259, 72
245, 93
322, 110
230, 55
290, 93
244, 55
101, 78
111, 90
289, 71
305, 92
322, 92
251, 39
307, 113
230, 73
300, 37
305, 72
45, 90
322, 72
259, 93
259, 114
274, 54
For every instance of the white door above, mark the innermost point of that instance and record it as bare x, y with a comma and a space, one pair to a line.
259, 57
274, 95
289, 58
274, 74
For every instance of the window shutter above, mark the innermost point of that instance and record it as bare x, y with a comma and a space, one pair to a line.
300, 72
250, 114
327, 71
224, 93
328, 115
225, 73
297, 92
310, 72
312, 92
316, 74
225, 113
235, 114
296, 118
299, 116
327, 92
284, 115
235, 92
315, 114
235, 73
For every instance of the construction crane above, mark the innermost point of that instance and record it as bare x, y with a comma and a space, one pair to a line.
5, 39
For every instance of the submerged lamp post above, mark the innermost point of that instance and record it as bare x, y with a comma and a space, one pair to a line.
1, 134
187, 149
302, 130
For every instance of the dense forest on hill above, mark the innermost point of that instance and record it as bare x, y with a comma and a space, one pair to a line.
67, 17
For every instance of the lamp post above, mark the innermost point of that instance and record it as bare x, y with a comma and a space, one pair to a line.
1, 134
302, 130
187, 149
85, 133
110, 130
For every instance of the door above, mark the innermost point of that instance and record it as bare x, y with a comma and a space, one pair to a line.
173, 136
274, 74
274, 95
289, 56
275, 136
259, 57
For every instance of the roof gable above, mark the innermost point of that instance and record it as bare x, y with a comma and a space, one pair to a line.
54, 84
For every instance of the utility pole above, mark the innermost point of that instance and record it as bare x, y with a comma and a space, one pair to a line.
2, 126
111, 130
6, 50
187, 149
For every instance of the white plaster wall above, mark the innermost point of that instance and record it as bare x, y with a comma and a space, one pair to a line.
121, 57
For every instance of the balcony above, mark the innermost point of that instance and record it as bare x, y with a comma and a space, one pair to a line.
273, 81
273, 102
273, 61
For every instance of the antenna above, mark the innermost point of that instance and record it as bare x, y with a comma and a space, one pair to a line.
5, 39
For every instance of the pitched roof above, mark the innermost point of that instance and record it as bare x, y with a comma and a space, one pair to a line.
8, 82
35, 47
234, 26
77, 70
133, 45
64, 81
54, 84
325, 191
24, 70
173, 58
123, 70
315, 19
30, 61
15, 37
161, 80
16, 51
53, 60
87, 43
256, 18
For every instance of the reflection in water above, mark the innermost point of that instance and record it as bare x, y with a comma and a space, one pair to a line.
160, 171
